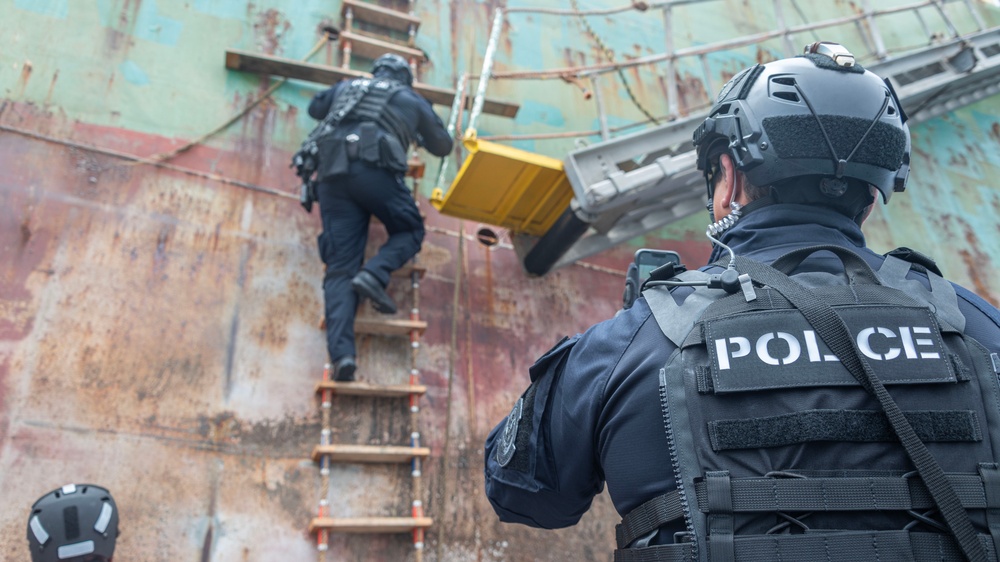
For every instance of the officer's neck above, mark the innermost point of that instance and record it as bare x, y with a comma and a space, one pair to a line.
768, 226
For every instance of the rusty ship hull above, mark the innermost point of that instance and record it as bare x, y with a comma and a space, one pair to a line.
159, 330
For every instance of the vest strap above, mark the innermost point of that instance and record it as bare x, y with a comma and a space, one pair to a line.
942, 293
648, 517
764, 494
677, 320
876, 493
682, 552
721, 525
991, 483
883, 546
854, 426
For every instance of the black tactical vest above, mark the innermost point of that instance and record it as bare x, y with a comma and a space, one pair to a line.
779, 451
372, 106
385, 145
382, 138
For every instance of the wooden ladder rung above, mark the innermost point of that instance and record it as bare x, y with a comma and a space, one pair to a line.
415, 169
384, 17
369, 453
368, 389
372, 48
369, 524
388, 326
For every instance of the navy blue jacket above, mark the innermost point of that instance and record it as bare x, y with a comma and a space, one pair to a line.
595, 409
425, 126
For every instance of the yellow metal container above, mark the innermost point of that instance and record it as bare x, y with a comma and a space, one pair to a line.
506, 187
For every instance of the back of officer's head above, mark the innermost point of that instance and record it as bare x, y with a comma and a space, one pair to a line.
393, 67
814, 129
75, 523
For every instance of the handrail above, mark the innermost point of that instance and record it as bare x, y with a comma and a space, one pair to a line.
866, 16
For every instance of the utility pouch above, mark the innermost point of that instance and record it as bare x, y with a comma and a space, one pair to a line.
368, 148
352, 142
332, 157
393, 155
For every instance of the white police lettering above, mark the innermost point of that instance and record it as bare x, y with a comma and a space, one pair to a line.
794, 349
877, 348
813, 348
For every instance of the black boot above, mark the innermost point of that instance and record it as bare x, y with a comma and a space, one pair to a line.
344, 369
366, 285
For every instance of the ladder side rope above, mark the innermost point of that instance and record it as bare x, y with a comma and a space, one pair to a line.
417, 506
326, 403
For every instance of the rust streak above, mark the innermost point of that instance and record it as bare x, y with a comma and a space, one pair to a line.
52, 87
206, 545
25, 232
270, 27
25, 76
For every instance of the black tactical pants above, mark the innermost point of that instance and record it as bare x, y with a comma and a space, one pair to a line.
346, 204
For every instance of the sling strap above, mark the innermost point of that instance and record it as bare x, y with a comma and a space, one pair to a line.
885, 546
770, 494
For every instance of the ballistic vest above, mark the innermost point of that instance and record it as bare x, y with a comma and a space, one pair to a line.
381, 139
782, 442
375, 95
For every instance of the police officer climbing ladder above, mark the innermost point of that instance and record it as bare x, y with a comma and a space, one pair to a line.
354, 162
310, 166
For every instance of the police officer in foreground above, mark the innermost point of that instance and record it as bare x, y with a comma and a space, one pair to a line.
836, 404
362, 160
75, 523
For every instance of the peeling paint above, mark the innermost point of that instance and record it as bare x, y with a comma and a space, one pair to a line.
269, 28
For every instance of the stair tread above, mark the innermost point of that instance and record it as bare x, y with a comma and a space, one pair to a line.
370, 524
369, 453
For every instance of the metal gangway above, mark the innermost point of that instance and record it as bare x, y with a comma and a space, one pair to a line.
624, 186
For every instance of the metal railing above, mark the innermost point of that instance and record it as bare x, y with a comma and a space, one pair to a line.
864, 20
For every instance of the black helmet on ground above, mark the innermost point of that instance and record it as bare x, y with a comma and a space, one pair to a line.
394, 67
817, 116
76, 523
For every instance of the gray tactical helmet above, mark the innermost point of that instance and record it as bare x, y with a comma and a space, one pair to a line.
819, 114
394, 67
76, 523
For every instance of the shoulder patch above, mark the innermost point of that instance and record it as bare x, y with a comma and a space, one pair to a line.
508, 439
